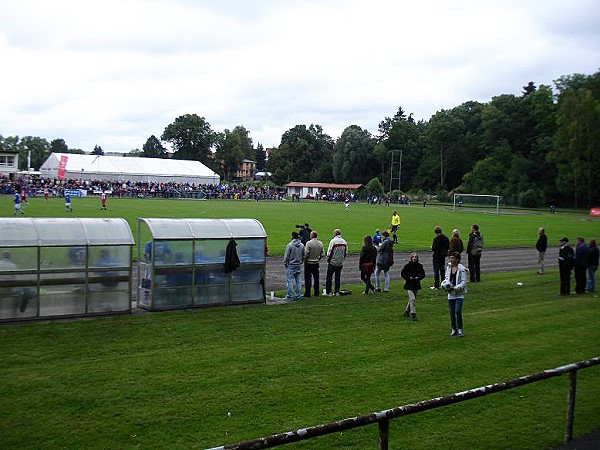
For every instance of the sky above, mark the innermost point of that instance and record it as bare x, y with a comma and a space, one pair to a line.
115, 72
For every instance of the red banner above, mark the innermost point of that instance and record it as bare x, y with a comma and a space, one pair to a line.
595, 212
62, 166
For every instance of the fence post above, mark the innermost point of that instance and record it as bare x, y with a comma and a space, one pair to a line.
570, 406
384, 434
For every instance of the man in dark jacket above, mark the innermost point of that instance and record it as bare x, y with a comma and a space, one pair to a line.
581, 264
541, 245
439, 247
566, 258
474, 249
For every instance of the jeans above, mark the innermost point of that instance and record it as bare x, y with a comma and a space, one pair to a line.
366, 278
386, 279
591, 281
439, 267
331, 272
293, 275
455, 310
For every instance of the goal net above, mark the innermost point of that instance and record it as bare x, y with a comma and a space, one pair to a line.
483, 203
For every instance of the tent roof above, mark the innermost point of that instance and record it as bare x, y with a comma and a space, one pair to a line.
324, 185
95, 164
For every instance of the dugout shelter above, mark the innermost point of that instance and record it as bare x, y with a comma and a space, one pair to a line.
61, 267
192, 263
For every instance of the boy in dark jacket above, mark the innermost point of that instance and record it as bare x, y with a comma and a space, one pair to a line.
412, 273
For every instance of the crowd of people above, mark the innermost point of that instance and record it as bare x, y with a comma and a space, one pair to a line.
449, 274
305, 251
37, 186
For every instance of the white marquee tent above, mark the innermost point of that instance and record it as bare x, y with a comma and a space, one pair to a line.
120, 168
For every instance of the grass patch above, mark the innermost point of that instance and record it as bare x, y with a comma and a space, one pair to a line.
168, 380
279, 218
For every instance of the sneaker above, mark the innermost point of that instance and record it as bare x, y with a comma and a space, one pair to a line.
460, 333
377, 290
337, 294
413, 317
385, 290
454, 333
406, 313
329, 294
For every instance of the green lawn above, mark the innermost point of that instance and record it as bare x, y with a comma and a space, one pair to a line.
515, 229
169, 380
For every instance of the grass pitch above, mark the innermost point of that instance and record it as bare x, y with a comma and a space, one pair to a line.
280, 218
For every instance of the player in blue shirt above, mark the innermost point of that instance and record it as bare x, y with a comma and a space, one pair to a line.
68, 202
17, 201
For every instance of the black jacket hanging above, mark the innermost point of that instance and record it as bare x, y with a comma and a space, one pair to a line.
232, 261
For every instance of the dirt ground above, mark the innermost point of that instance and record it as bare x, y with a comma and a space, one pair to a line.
492, 260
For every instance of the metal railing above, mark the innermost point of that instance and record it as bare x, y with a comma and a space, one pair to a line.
382, 418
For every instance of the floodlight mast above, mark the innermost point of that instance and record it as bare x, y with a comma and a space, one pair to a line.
399, 163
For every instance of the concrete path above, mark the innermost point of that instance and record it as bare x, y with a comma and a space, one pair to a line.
492, 260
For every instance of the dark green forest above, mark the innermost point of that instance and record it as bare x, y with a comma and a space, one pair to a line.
533, 149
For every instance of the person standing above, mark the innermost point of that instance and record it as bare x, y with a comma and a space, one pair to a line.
312, 255
541, 245
384, 259
46, 193
68, 202
412, 273
474, 249
304, 233
366, 263
592, 265
394, 226
456, 276
293, 258
377, 238
566, 258
336, 254
581, 265
103, 196
456, 243
439, 248
17, 202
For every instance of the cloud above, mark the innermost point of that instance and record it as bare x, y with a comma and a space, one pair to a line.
115, 72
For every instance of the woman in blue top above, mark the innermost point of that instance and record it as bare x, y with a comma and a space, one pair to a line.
455, 282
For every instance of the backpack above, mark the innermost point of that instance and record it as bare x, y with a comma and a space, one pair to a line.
390, 258
477, 244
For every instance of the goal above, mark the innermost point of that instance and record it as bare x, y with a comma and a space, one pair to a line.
484, 203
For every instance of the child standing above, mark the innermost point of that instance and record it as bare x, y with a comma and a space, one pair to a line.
412, 273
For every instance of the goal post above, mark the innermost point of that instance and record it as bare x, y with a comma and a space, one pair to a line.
477, 201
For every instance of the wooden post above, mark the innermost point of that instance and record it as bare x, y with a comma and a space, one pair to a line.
570, 406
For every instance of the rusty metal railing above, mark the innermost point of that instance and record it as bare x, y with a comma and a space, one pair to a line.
382, 418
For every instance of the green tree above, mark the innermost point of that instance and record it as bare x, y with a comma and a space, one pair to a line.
374, 187
37, 147
153, 148
97, 150
305, 154
58, 146
444, 138
191, 137
353, 157
229, 152
261, 157
576, 141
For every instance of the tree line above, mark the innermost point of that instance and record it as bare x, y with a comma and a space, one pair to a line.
533, 149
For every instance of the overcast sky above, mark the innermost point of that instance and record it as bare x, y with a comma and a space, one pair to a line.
114, 72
